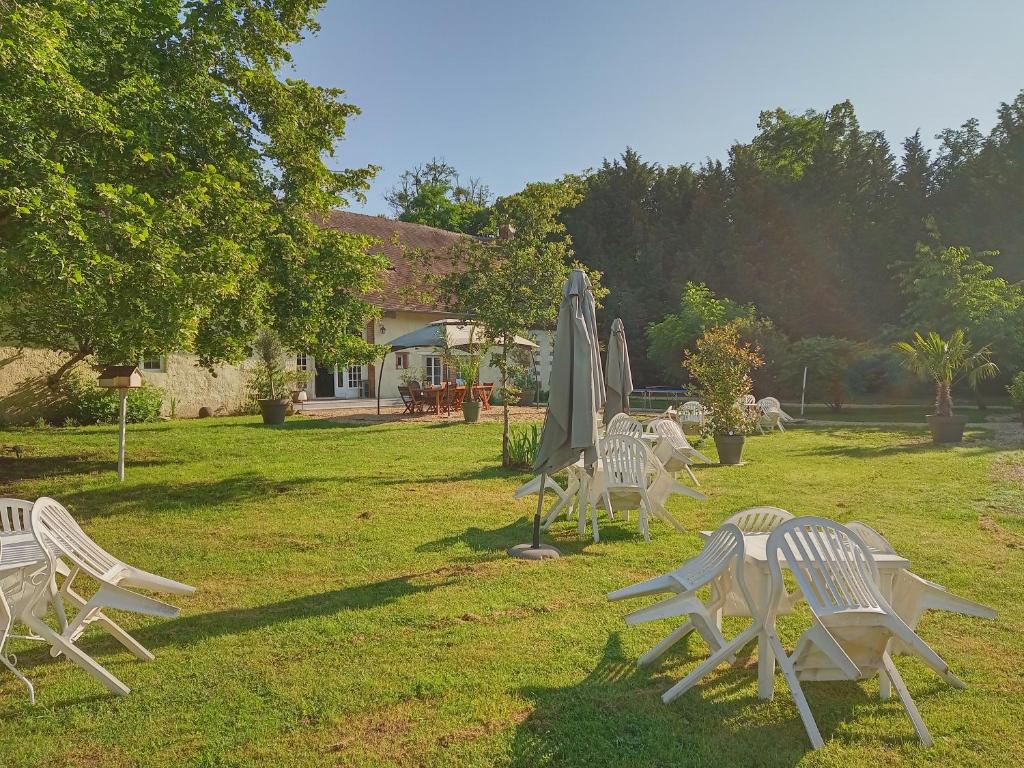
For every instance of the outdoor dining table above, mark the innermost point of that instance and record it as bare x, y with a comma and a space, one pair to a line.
756, 565
436, 393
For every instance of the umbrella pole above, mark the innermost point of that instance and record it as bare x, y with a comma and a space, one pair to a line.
535, 550
540, 507
380, 378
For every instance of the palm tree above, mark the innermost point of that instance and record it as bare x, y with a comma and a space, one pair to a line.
946, 362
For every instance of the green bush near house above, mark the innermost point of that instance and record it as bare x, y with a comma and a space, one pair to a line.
85, 403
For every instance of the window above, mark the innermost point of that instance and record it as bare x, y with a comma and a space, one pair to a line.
354, 374
435, 369
402, 360
153, 364
301, 364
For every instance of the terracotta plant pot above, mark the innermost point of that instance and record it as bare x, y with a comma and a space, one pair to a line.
730, 448
471, 411
274, 411
947, 429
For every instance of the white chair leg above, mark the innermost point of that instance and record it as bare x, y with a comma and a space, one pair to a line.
75, 655
926, 654
693, 477
797, 692
721, 656
908, 703
662, 647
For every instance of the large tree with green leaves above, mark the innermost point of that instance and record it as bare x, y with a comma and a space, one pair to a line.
434, 194
510, 281
160, 182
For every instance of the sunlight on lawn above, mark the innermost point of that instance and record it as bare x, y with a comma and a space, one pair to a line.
356, 606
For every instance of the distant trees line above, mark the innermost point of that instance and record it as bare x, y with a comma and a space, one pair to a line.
817, 228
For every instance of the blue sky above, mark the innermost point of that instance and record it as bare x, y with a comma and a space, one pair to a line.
525, 90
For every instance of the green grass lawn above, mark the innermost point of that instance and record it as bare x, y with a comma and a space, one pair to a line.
899, 414
356, 606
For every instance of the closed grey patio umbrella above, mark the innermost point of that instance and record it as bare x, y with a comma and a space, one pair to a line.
618, 378
576, 398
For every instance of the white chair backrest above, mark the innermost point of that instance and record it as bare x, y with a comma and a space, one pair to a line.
627, 462
759, 519
58, 529
624, 424
832, 566
875, 541
669, 430
691, 412
722, 549
770, 403
748, 400
15, 516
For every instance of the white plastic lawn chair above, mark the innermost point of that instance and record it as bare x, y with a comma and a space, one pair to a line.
27, 570
852, 623
718, 566
624, 424
66, 539
673, 449
566, 496
691, 413
634, 479
769, 418
774, 404
912, 595
758, 519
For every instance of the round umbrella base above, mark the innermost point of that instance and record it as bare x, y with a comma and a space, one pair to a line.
527, 552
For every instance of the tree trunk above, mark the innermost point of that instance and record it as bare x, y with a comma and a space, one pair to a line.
943, 399
505, 459
54, 378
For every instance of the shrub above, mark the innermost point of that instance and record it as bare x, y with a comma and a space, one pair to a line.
721, 367
522, 446
828, 360
88, 403
1016, 392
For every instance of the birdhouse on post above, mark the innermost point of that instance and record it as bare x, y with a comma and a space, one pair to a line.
122, 378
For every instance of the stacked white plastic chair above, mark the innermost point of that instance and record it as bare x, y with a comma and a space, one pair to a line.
634, 479
65, 539
912, 595
28, 569
624, 424
771, 415
718, 566
566, 496
691, 413
673, 449
758, 519
852, 622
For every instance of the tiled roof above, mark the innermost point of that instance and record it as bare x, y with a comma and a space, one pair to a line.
400, 281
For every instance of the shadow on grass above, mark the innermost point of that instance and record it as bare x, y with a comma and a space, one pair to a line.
36, 467
615, 717
118, 498
910, 444
193, 629
496, 541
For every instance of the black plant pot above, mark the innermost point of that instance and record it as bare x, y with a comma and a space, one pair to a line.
471, 411
947, 429
730, 448
274, 411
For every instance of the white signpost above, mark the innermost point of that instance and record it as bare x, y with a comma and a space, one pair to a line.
122, 378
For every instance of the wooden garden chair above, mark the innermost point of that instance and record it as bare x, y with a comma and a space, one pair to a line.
407, 400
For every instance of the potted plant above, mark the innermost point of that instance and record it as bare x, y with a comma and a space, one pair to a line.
946, 362
269, 382
720, 368
466, 364
1016, 392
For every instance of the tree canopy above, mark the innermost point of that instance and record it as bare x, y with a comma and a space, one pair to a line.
815, 222
160, 182
434, 194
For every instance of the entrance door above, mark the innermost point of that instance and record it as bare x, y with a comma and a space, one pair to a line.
324, 382
350, 381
